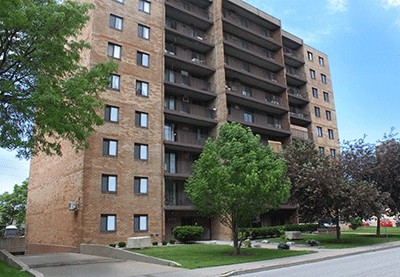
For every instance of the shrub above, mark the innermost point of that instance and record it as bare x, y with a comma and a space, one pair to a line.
188, 234
164, 242
263, 232
121, 244
355, 222
283, 246
155, 243
313, 242
304, 228
112, 244
172, 241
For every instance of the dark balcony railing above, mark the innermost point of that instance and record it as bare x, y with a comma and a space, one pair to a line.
296, 92
188, 55
248, 25
295, 73
293, 53
185, 137
186, 108
177, 199
180, 167
250, 69
299, 134
257, 119
251, 47
187, 30
254, 93
299, 114
189, 81
190, 8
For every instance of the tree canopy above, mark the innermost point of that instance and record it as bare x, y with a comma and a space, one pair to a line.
237, 178
13, 205
46, 95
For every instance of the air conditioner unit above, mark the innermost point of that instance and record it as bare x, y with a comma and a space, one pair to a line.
185, 99
72, 206
278, 126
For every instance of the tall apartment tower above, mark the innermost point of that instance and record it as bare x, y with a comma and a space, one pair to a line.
185, 67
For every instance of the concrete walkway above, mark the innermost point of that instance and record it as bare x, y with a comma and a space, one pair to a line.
70, 264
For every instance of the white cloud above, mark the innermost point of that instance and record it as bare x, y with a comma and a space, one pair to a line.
339, 6
392, 3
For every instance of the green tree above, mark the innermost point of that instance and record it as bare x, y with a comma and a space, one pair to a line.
237, 179
46, 95
13, 205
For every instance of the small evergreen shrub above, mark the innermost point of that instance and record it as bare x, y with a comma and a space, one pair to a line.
263, 232
304, 228
164, 242
188, 234
283, 246
112, 244
155, 243
313, 242
355, 222
121, 244
172, 241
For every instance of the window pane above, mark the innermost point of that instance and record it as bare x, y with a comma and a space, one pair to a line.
114, 114
145, 60
145, 89
112, 183
115, 82
144, 122
143, 152
111, 223
112, 151
143, 223
117, 52
143, 185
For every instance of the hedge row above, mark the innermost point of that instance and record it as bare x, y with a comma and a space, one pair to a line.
277, 231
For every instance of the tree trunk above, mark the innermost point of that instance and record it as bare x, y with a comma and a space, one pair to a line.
236, 238
378, 226
337, 229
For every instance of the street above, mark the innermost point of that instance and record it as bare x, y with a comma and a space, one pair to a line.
380, 263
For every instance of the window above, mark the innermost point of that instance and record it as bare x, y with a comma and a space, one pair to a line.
319, 131
330, 134
143, 31
111, 113
312, 73
140, 185
323, 78
143, 59
246, 91
114, 50
115, 22
321, 150
169, 103
328, 115
321, 61
108, 223
326, 96
110, 147
142, 88
115, 82
333, 153
119, 1
317, 111
108, 183
170, 163
315, 92
140, 151
144, 6
248, 116
310, 56
141, 119
140, 223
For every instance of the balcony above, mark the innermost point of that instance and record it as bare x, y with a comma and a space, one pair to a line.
295, 77
255, 98
297, 96
251, 31
298, 117
293, 57
189, 14
177, 57
251, 74
187, 36
299, 133
236, 47
177, 84
175, 196
259, 123
180, 140
185, 112
180, 169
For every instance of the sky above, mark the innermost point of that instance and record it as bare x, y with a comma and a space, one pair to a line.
362, 41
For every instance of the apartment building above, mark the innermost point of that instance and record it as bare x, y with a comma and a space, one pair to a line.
185, 67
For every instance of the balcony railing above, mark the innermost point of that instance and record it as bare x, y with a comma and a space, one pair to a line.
257, 119
248, 46
293, 53
177, 199
248, 25
195, 83
299, 134
254, 93
187, 30
180, 167
250, 69
187, 55
296, 92
190, 8
186, 108
185, 137
300, 114
295, 72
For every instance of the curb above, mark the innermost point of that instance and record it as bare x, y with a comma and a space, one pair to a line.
10, 259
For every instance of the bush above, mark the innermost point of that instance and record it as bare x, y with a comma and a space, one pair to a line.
172, 241
355, 222
283, 246
304, 228
188, 234
155, 243
313, 242
164, 242
263, 232
112, 244
121, 244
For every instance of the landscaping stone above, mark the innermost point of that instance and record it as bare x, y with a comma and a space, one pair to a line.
139, 242
293, 235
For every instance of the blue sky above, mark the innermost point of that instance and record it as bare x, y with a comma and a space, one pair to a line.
362, 40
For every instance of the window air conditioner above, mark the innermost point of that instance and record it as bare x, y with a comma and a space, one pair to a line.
72, 206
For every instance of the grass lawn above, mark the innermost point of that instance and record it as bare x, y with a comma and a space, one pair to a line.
372, 230
200, 255
9, 271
